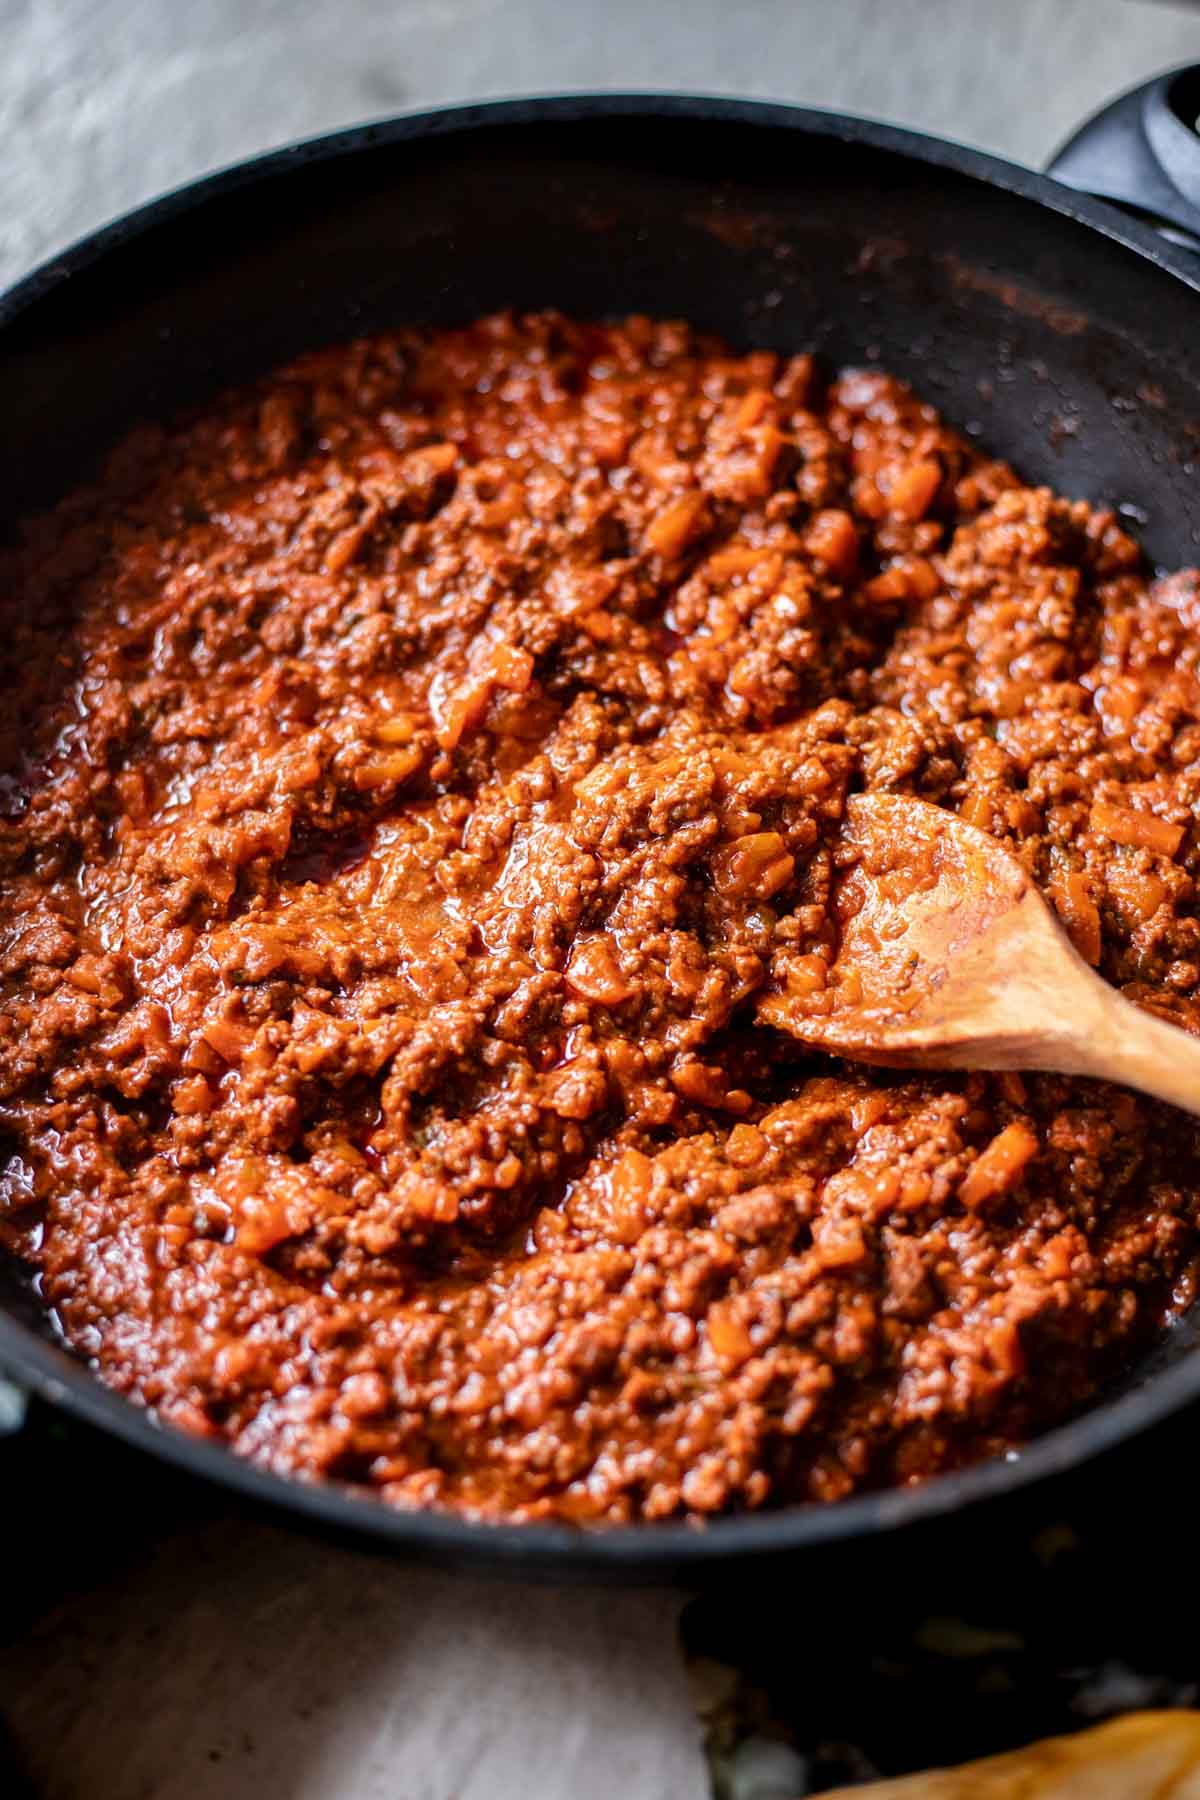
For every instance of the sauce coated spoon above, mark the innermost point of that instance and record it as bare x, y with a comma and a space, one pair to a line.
949, 958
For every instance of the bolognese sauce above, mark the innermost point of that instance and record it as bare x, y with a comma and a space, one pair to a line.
418, 769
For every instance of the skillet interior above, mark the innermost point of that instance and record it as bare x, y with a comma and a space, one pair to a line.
1068, 352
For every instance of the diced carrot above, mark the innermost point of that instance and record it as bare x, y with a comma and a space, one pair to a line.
908, 578
976, 809
227, 1038
344, 548
264, 1224
701, 1083
676, 525
428, 462
888, 586
192, 1096
1126, 825
511, 667
831, 537
756, 866
632, 1178
807, 975
456, 710
745, 1146
751, 408
1000, 1166
400, 728
736, 559
726, 1334
627, 1190
912, 492
1140, 892
1118, 702
88, 973
607, 439
839, 1242
1078, 912
382, 771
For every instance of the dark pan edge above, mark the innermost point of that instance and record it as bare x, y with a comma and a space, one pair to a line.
636, 1552
646, 1551
993, 171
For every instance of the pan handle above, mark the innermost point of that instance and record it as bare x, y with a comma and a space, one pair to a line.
1143, 152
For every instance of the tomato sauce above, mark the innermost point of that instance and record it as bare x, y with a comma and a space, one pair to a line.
417, 771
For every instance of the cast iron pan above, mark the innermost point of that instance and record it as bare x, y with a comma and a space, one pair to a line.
1063, 333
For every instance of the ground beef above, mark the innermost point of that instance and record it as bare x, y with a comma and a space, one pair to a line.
417, 770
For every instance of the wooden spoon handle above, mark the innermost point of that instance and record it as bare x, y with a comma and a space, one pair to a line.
1121, 1042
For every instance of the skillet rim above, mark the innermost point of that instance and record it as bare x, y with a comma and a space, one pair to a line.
646, 1551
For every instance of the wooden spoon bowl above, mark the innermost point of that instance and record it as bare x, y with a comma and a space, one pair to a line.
949, 958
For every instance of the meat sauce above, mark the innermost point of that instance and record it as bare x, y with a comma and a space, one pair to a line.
418, 771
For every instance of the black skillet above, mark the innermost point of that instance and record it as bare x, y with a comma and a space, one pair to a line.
1064, 333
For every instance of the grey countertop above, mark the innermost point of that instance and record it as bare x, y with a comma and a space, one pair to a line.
239, 1660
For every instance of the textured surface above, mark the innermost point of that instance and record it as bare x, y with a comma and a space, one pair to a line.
456, 779
169, 1681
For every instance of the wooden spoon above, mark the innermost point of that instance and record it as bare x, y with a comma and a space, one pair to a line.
949, 958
